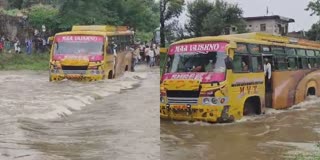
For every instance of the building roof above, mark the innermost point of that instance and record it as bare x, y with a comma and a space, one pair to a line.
277, 17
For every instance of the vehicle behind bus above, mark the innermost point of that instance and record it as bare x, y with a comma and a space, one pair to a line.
221, 79
91, 53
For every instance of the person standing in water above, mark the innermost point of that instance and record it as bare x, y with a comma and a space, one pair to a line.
267, 73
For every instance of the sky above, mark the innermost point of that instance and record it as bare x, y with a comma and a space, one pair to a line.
288, 8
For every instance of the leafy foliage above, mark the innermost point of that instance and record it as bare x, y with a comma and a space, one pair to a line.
314, 7
144, 36
197, 12
61, 15
168, 10
213, 18
138, 14
43, 15
314, 32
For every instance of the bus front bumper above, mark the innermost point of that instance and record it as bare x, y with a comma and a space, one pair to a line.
196, 112
77, 77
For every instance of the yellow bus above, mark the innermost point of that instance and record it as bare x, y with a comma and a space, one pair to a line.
222, 78
91, 53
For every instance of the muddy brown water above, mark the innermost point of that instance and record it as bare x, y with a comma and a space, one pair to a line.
119, 120
104, 120
273, 136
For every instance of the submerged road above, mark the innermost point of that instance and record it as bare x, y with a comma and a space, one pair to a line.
275, 136
112, 119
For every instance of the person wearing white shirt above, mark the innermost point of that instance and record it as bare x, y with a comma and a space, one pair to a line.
267, 73
267, 69
114, 50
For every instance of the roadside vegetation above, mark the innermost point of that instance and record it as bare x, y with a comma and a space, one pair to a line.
13, 61
311, 156
59, 15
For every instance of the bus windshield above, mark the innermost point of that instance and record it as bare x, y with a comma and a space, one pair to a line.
198, 62
85, 45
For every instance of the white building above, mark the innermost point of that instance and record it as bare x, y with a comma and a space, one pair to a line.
275, 24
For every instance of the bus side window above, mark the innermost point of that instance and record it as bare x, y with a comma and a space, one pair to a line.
292, 63
168, 64
281, 63
311, 62
241, 63
318, 61
257, 65
111, 41
304, 63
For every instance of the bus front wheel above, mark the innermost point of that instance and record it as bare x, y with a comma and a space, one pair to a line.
110, 75
252, 106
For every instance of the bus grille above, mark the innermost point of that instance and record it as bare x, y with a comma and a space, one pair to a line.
74, 69
183, 97
181, 100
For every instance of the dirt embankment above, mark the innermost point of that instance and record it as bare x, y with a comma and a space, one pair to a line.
12, 27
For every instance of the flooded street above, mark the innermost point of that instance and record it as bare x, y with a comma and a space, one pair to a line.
276, 135
111, 119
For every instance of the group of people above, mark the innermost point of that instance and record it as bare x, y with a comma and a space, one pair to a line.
36, 43
149, 53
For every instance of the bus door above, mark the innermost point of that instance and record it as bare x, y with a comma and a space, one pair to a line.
268, 58
110, 57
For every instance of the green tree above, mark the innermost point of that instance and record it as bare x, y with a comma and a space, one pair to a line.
314, 32
15, 4
314, 7
216, 18
168, 10
82, 12
197, 12
142, 15
139, 14
43, 15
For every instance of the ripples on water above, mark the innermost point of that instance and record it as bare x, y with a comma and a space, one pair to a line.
30, 95
74, 120
278, 134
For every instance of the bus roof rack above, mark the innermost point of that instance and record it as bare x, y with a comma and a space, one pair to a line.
101, 28
277, 39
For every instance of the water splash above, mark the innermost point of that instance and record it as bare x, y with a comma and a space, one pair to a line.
31, 95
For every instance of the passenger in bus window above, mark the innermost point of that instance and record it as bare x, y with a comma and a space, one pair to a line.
309, 65
245, 66
198, 66
210, 66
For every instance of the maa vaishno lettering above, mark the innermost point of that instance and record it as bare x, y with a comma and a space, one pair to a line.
200, 47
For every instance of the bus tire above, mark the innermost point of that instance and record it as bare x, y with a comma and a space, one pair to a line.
110, 75
252, 106
311, 91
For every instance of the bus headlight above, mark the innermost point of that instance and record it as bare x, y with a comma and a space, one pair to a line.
214, 101
206, 101
222, 100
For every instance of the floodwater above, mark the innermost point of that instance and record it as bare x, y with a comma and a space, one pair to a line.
276, 135
104, 120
